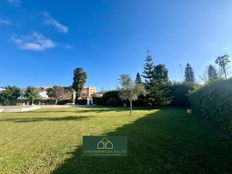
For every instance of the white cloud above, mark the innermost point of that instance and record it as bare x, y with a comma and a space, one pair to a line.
35, 41
49, 20
17, 3
4, 21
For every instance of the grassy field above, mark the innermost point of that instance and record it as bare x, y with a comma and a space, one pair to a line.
159, 141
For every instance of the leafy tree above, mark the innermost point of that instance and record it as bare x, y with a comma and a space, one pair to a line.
129, 90
148, 72
222, 61
212, 73
10, 95
189, 74
56, 92
161, 73
79, 80
31, 94
180, 93
138, 79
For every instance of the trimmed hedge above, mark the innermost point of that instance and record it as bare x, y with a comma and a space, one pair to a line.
46, 101
81, 101
214, 103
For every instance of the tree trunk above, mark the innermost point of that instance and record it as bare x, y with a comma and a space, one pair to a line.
56, 101
130, 108
224, 69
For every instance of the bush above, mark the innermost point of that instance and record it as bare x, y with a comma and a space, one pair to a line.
98, 101
81, 101
45, 101
112, 102
112, 95
179, 93
213, 102
64, 101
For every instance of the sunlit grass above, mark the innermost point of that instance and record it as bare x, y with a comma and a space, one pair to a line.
49, 141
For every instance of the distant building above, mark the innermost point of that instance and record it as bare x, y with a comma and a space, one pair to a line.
42, 91
99, 94
2, 89
88, 92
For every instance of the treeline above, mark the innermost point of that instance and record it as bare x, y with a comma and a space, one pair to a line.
12, 95
160, 91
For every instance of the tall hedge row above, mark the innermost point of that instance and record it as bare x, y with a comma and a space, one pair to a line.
214, 103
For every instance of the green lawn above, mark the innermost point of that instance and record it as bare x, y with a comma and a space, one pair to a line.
159, 141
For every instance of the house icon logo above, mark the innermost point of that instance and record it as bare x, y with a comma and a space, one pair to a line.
104, 143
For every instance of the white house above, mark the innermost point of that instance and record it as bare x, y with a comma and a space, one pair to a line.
2, 89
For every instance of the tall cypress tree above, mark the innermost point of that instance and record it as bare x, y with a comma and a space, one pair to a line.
189, 74
212, 73
79, 79
138, 79
148, 72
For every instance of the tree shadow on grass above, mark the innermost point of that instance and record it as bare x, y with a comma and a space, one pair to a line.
167, 141
39, 119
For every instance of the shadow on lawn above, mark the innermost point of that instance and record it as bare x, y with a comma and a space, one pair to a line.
38, 119
167, 141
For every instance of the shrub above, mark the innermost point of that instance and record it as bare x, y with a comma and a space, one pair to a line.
112, 102
81, 101
64, 101
45, 101
98, 101
179, 93
213, 102
109, 95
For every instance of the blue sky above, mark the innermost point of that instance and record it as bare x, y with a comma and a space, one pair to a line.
43, 41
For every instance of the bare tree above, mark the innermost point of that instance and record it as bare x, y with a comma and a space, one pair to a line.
129, 90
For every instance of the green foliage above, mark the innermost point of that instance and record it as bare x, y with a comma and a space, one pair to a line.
56, 92
112, 94
10, 95
81, 101
129, 90
161, 73
212, 73
179, 93
112, 102
31, 94
98, 101
159, 94
79, 80
64, 101
189, 74
213, 102
148, 72
222, 61
138, 79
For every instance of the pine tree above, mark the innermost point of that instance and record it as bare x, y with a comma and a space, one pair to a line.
212, 73
138, 79
148, 72
160, 88
189, 74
